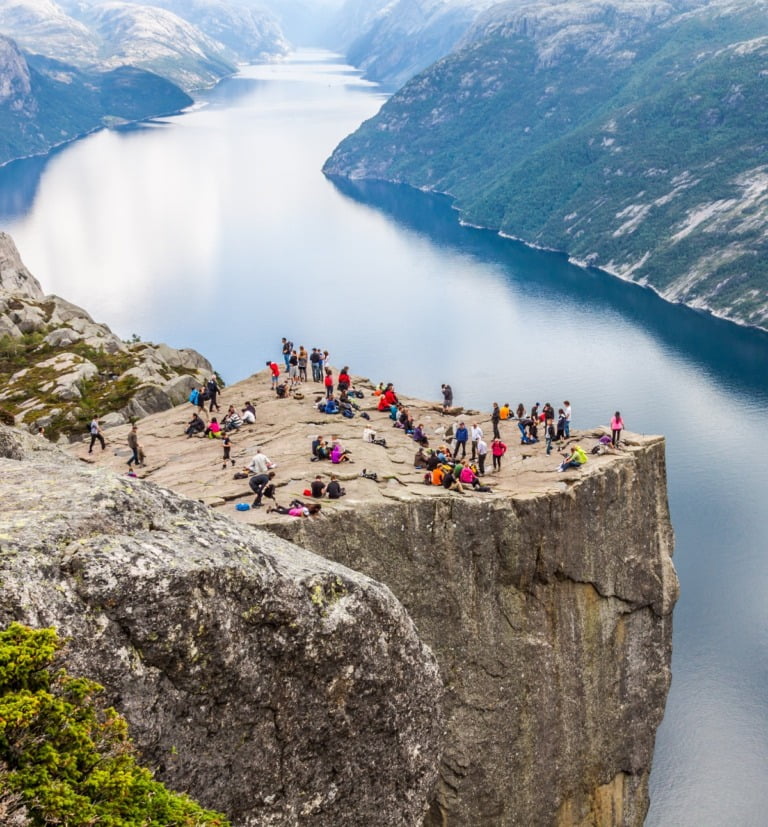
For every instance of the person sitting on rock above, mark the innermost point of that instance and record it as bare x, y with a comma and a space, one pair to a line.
248, 414
317, 486
450, 482
195, 425
260, 464
213, 429
338, 453
231, 421
575, 459
421, 458
334, 489
467, 476
388, 398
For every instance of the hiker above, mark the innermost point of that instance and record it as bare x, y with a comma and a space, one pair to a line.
261, 486
249, 414
535, 412
287, 347
520, 411
504, 412
315, 360
338, 453
460, 441
328, 381
560, 435
451, 483
344, 382
476, 435
275, 373
133, 444
297, 509
317, 487
576, 459
293, 368
498, 449
259, 464
467, 476
231, 421
482, 453
213, 391
213, 429
495, 417
302, 364
95, 431
334, 489
227, 444
550, 435
419, 435
617, 425
196, 425
567, 411
547, 415
421, 458
447, 397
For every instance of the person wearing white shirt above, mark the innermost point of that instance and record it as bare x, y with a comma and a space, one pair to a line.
476, 435
260, 464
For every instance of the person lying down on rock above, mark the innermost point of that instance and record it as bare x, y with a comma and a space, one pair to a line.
297, 509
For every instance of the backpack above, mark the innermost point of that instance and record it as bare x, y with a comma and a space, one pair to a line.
193, 394
348, 413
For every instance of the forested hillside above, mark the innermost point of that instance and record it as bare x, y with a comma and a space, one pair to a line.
630, 135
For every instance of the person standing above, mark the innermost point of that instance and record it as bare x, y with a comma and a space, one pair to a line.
133, 444
95, 431
213, 391
275, 373
567, 412
227, 445
303, 358
315, 359
482, 453
617, 425
286, 349
328, 383
498, 449
460, 441
477, 435
495, 417
447, 397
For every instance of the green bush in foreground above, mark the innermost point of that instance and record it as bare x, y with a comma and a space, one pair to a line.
67, 758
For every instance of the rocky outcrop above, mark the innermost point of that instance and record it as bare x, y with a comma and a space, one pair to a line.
79, 367
265, 681
550, 616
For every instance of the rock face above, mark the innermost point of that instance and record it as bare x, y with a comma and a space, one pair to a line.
267, 682
550, 615
80, 367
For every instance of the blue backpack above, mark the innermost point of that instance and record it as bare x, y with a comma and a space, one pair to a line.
193, 395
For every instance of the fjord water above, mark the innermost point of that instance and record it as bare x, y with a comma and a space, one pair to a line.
216, 230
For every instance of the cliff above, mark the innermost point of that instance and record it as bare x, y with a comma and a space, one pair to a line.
58, 367
269, 683
546, 600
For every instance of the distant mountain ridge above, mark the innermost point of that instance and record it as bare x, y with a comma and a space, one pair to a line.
68, 69
629, 135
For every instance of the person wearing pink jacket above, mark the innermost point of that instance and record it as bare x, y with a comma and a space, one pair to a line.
498, 449
617, 425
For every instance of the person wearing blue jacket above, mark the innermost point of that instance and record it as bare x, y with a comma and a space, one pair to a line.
461, 438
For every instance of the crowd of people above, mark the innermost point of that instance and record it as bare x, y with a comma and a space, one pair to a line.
458, 463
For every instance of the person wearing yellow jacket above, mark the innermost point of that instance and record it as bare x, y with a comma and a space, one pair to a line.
576, 459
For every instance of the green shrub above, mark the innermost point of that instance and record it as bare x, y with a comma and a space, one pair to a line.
68, 757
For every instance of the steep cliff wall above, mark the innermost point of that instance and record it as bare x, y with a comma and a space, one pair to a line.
550, 615
267, 682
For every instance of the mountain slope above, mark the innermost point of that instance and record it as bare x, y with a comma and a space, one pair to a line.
44, 102
629, 135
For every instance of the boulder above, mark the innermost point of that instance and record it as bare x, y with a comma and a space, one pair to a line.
265, 681
186, 358
62, 337
28, 318
14, 276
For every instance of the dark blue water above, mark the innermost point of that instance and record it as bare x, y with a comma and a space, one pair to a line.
216, 230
